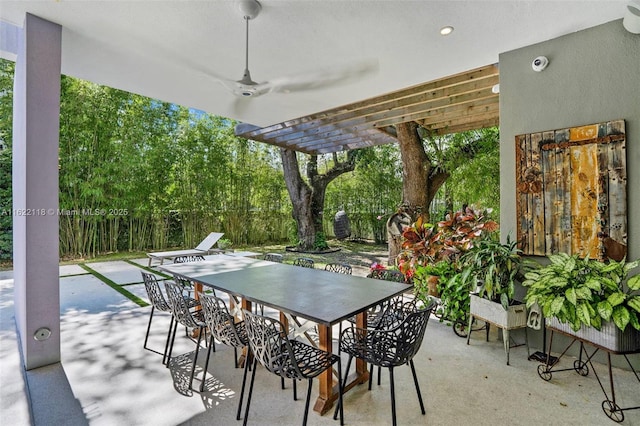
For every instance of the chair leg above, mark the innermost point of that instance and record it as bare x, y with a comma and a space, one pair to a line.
146, 337
415, 380
295, 390
306, 406
370, 376
166, 345
393, 397
253, 376
206, 366
195, 358
340, 387
247, 361
379, 374
344, 384
173, 338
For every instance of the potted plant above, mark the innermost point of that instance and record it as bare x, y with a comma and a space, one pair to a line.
224, 243
434, 278
589, 299
425, 244
492, 269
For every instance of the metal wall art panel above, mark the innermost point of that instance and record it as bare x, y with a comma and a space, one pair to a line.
571, 191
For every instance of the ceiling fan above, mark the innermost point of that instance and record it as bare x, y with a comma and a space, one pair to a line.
246, 87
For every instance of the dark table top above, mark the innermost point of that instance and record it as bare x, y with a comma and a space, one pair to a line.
314, 294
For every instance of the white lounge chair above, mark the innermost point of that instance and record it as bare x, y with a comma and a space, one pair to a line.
204, 248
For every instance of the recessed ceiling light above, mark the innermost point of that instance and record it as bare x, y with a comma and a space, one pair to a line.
446, 30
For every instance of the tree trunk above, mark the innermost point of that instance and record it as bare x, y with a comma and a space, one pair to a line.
300, 194
420, 180
416, 168
308, 198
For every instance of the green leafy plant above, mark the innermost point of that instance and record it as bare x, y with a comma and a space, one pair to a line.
433, 251
453, 292
224, 243
494, 268
320, 242
424, 243
586, 292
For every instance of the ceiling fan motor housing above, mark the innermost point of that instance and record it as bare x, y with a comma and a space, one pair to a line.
250, 8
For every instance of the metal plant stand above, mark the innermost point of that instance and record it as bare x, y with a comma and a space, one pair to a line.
581, 366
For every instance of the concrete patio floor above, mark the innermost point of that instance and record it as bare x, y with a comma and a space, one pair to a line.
107, 378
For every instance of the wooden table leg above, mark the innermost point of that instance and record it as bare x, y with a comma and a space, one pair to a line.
362, 375
326, 395
197, 289
244, 357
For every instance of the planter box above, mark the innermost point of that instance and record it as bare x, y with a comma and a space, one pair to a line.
609, 336
493, 312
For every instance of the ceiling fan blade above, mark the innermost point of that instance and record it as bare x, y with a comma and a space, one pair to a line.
322, 78
240, 106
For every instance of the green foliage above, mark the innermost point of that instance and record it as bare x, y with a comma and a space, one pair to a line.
6, 126
224, 243
451, 288
494, 268
177, 173
466, 156
369, 195
424, 243
585, 292
320, 242
434, 250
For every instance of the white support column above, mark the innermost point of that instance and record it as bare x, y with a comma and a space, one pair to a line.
36, 128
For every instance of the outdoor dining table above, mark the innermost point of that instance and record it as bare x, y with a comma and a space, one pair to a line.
326, 298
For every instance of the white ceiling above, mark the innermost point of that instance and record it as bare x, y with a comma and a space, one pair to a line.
161, 48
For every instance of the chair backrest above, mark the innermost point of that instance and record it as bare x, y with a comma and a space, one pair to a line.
270, 346
184, 283
221, 323
154, 292
189, 258
273, 257
387, 275
394, 311
209, 241
340, 268
398, 345
304, 262
179, 305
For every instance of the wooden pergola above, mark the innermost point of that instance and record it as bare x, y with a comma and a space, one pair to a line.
464, 101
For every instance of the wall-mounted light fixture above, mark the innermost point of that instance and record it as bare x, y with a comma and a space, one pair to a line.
631, 21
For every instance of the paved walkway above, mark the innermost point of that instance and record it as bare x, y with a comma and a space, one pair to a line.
106, 378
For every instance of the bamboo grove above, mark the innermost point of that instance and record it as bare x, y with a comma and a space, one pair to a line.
139, 174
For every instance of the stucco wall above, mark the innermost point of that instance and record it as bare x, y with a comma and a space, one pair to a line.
593, 76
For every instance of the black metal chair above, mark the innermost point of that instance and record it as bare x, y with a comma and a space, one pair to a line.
304, 262
340, 268
273, 257
189, 258
286, 358
182, 314
222, 326
154, 292
390, 346
188, 290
